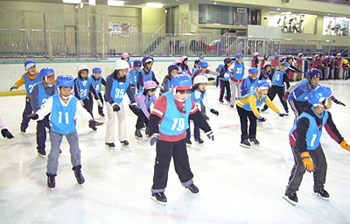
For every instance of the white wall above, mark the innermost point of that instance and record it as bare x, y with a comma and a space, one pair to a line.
11, 72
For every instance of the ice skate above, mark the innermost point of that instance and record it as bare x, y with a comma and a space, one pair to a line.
291, 198
245, 143
199, 140
254, 141
193, 188
322, 194
159, 197
188, 142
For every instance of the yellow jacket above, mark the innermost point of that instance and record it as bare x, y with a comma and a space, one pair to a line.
251, 99
20, 82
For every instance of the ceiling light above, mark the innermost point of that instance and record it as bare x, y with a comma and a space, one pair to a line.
215, 3
92, 2
115, 3
154, 5
72, 1
278, 8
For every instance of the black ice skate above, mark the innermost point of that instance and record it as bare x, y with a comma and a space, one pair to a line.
188, 142
78, 175
193, 188
23, 129
245, 143
111, 145
138, 133
51, 180
254, 141
232, 106
159, 197
125, 142
322, 194
41, 152
199, 140
291, 198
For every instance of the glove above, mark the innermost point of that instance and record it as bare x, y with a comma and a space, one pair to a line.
282, 114
116, 108
210, 135
285, 96
6, 133
13, 87
154, 138
345, 145
33, 116
261, 118
82, 102
215, 112
93, 124
99, 103
337, 101
309, 165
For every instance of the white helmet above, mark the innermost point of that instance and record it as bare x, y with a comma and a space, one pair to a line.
200, 79
121, 64
82, 67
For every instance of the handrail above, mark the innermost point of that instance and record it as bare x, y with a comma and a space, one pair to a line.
161, 27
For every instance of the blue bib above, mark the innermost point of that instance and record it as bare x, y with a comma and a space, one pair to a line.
97, 84
84, 90
118, 90
314, 133
258, 103
62, 117
133, 75
29, 84
42, 95
227, 76
148, 105
174, 122
277, 79
238, 71
197, 100
144, 79
251, 86
301, 92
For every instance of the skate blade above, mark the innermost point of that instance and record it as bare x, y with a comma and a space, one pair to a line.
323, 198
159, 202
138, 137
42, 156
188, 145
245, 146
290, 201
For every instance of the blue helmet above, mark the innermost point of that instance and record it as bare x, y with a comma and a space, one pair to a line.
203, 64
147, 59
266, 55
277, 57
200, 57
182, 81
263, 84
171, 67
286, 64
137, 63
65, 81
29, 64
319, 94
239, 55
96, 70
253, 70
227, 60
314, 72
47, 72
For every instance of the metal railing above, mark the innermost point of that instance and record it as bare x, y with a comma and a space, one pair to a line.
97, 45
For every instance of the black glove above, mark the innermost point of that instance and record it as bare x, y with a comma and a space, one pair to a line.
210, 135
13, 87
282, 114
134, 106
261, 118
93, 123
215, 112
337, 101
33, 116
154, 138
6, 133
116, 108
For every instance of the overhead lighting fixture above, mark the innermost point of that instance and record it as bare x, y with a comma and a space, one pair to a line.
115, 3
328, 14
278, 9
72, 1
154, 5
92, 2
215, 3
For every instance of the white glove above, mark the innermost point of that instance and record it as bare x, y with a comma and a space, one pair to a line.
99, 103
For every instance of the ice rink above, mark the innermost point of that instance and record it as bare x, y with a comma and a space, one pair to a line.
237, 185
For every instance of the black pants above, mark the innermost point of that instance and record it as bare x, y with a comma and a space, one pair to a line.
225, 85
244, 115
298, 170
166, 150
273, 70
324, 73
336, 73
41, 132
88, 106
100, 109
142, 120
280, 92
298, 107
27, 110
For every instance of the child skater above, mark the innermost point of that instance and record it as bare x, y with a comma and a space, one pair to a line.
279, 78
237, 69
250, 82
300, 64
98, 81
4, 131
41, 92
117, 84
199, 96
225, 81
63, 108
255, 61
167, 124
265, 60
195, 66
266, 73
146, 73
133, 75
126, 57
275, 64
82, 86
247, 109
144, 101
29, 78
304, 139
184, 67
172, 71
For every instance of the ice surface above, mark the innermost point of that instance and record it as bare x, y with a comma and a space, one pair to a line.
237, 185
